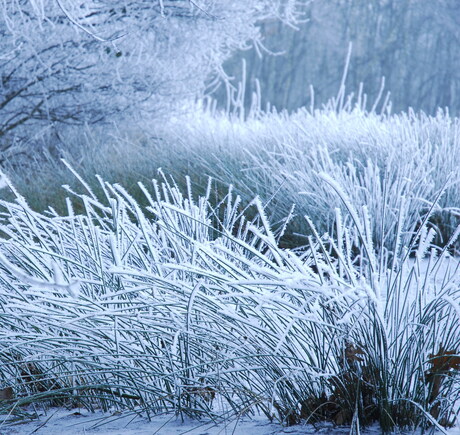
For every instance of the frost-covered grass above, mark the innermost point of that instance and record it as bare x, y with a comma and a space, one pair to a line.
189, 306
377, 159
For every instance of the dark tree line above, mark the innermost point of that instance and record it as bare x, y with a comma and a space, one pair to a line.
414, 44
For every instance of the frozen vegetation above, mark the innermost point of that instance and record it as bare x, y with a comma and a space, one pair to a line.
379, 160
298, 267
188, 303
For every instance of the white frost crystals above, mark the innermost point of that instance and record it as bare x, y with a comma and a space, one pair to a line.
57, 282
4, 181
90, 61
187, 307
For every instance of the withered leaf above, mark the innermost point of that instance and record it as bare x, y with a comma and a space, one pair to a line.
444, 361
352, 352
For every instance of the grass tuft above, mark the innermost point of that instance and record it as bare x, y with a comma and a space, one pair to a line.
189, 306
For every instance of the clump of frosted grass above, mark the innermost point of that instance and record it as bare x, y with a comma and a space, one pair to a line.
406, 341
159, 309
187, 307
376, 158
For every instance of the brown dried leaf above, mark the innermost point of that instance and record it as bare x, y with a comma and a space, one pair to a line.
352, 352
444, 361
441, 364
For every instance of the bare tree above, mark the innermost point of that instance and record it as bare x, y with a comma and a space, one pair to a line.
87, 61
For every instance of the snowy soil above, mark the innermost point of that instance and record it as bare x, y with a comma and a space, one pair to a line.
64, 422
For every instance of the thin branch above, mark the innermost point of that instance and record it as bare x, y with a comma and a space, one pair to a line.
92, 34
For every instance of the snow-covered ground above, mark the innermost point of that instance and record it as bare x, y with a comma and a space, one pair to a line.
64, 422
58, 422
